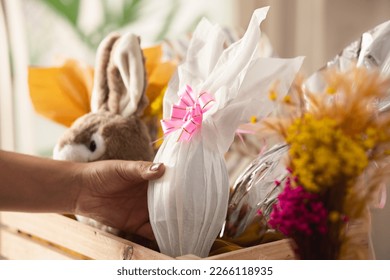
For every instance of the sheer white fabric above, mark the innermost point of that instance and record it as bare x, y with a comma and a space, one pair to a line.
187, 206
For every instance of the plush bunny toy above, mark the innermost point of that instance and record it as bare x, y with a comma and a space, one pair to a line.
113, 130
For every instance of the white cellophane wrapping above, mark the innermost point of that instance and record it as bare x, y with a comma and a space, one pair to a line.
187, 206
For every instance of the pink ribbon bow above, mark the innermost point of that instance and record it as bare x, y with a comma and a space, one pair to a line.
187, 115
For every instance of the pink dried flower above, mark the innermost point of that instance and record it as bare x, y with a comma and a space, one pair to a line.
298, 212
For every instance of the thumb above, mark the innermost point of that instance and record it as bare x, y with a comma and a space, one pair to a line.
137, 171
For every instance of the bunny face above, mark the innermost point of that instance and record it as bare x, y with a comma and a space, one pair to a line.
104, 135
83, 142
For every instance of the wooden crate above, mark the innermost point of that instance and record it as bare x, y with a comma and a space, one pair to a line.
52, 236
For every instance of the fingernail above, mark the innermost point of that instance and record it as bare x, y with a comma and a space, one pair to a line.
155, 166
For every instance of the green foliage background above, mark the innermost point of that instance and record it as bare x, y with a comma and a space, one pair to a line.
112, 18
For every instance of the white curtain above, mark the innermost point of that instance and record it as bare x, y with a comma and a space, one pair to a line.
15, 106
6, 107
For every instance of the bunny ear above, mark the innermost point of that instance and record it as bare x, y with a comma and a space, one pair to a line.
100, 92
121, 80
128, 59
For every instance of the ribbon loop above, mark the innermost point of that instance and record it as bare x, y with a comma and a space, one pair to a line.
187, 115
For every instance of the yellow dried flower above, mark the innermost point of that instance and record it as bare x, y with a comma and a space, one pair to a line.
253, 119
331, 90
322, 156
287, 99
334, 216
372, 137
272, 95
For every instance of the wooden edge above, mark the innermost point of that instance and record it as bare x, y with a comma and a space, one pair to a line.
188, 257
277, 250
17, 246
83, 239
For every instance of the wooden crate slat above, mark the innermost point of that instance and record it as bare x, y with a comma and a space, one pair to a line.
78, 237
188, 257
96, 244
16, 246
278, 250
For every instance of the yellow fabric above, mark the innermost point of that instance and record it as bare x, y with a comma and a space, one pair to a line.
159, 73
61, 94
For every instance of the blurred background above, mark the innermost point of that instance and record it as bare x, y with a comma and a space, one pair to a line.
44, 32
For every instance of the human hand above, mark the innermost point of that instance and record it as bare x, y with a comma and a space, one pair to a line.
115, 194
